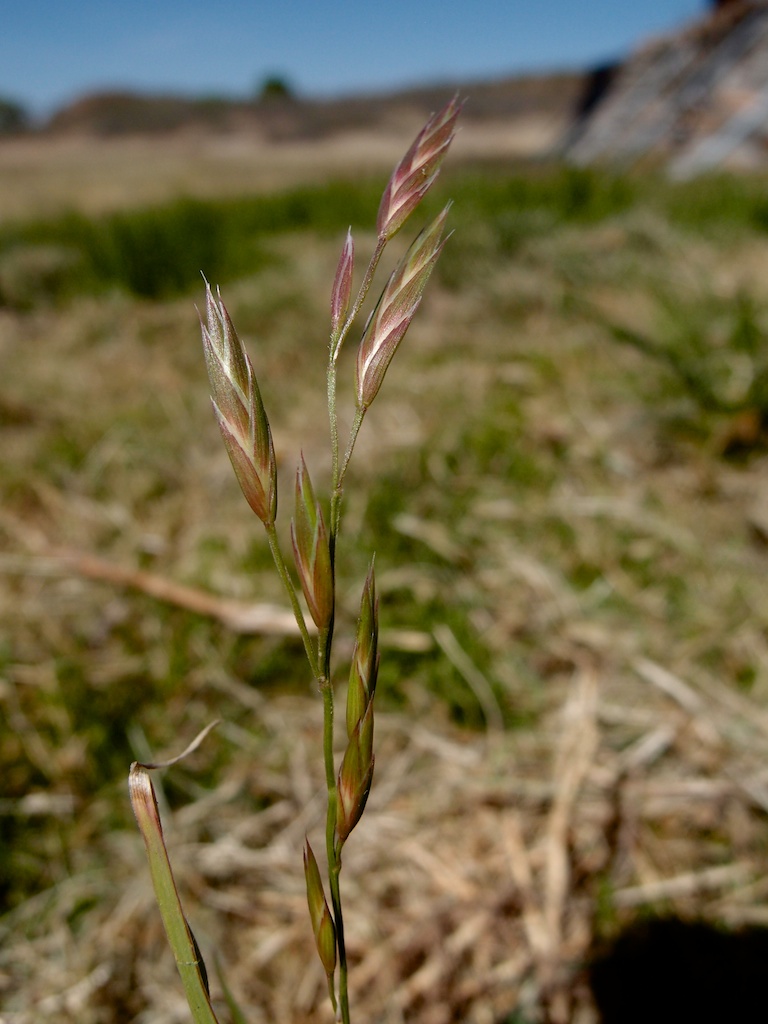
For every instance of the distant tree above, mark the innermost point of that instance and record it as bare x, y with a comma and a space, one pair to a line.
13, 117
274, 87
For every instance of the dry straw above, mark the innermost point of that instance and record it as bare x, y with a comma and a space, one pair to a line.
245, 429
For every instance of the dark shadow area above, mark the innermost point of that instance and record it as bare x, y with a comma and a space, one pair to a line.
670, 971
596, 85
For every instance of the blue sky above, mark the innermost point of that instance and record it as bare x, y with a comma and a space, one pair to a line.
52, 51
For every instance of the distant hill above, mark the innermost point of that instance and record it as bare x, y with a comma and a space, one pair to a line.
689, 101
283, 118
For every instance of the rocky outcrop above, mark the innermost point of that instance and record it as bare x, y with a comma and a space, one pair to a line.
693, 101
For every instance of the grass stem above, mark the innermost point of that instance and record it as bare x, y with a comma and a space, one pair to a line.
285, 576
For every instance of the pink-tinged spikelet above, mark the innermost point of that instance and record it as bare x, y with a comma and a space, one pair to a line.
239, 409
342, 285
395, 309
414, 175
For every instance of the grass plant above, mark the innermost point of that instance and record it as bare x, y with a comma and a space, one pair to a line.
529, 492
245, 429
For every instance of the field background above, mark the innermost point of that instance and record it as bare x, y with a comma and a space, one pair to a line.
564, 480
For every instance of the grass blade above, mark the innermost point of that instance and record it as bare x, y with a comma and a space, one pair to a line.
185, 949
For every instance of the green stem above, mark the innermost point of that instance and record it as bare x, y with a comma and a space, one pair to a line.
340, 470
319, 660
334, 421
285, 576
333, 872
333, 851
326, 691
325, 641
354, 431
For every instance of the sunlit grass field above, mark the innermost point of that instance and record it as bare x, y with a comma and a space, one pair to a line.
564, 474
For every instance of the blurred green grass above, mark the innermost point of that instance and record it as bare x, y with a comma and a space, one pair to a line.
158, 252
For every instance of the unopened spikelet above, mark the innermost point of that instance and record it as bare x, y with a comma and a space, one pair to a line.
323, 927
416, 172
365, 658
342, 285
239, 409
355, 776
395, 309
311, 550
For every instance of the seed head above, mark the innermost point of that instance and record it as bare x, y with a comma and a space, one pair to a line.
395, 309
416, 172
239, 409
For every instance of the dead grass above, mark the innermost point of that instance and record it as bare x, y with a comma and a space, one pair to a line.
97, 176
477, 886
41, 177
567, 549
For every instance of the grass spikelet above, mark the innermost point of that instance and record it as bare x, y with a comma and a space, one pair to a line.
416, 172
239, 410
